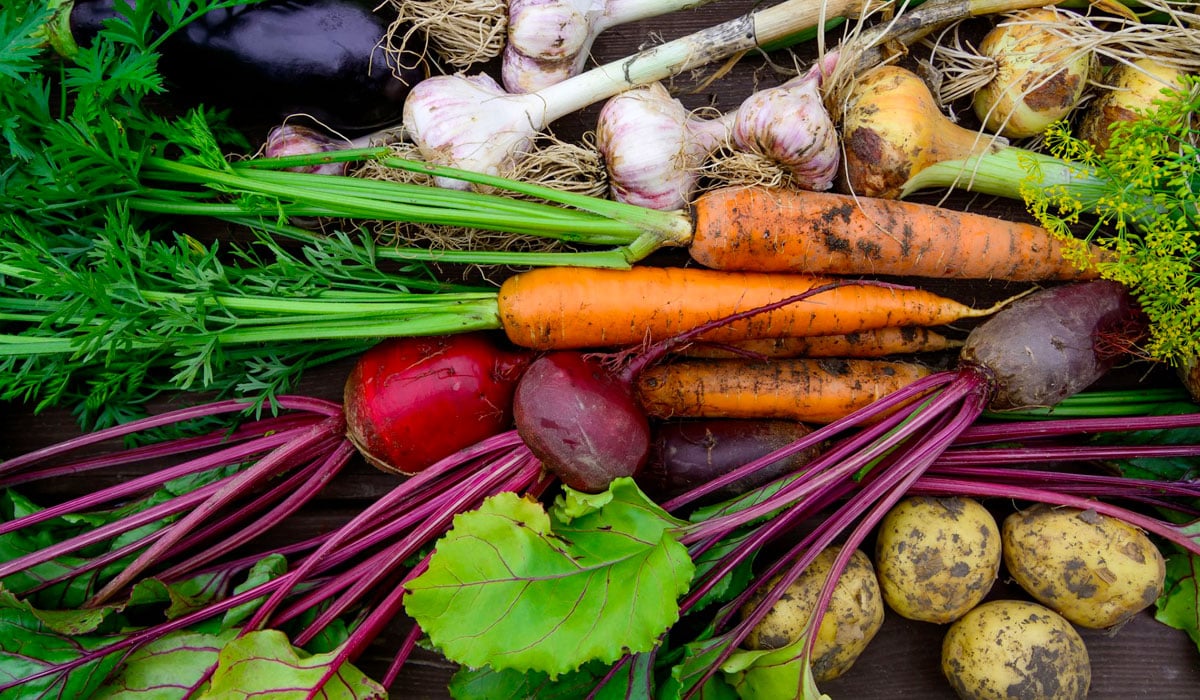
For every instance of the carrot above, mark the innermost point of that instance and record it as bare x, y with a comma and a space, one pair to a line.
565, 307
804, 389
880, 342
775, 230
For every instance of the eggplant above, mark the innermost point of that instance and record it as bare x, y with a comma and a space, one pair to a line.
328, 59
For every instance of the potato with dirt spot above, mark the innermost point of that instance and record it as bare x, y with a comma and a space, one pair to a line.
937, 557
1015, 650
854, 616
1096, 571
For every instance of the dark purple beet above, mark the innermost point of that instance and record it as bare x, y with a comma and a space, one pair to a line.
1070, 336
269, 60
687, 454
581, 420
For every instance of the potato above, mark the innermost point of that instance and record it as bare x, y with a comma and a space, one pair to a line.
936, 557
1015, 650
854, 616
1096, 571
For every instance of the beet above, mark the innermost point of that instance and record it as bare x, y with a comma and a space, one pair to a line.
1066, 342
269, 60
686, 454
412, 401
581, 420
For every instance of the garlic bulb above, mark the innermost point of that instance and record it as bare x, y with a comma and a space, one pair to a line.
789, 125
1132, 88
1039, 75
892, 129
291, 140
549, 40
470, 122
653, 147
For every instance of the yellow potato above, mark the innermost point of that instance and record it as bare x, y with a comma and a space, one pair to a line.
1015, 650
936, 557
854, 616
1096, 571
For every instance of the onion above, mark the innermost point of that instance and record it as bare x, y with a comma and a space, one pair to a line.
1039, 75
893, 129
1132, 88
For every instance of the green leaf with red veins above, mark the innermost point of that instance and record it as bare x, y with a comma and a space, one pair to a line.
513, 586
33, 641
167, 668
773, 673
1179, 605
264, 664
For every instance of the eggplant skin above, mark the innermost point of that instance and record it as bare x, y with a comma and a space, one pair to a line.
269, 60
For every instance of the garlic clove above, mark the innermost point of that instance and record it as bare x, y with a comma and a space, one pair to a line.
653, 148
471, 123
789, 125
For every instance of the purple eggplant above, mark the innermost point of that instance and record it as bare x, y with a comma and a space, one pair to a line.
328, 59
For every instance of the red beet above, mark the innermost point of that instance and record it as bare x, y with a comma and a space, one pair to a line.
686, 454
412, 401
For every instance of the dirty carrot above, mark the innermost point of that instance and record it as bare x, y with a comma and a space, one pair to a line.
880, 342
772, 230
812, 390
557, 308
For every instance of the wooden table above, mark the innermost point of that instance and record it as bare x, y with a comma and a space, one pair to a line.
1144, 659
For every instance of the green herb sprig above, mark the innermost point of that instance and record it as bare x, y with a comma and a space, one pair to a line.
1146, 214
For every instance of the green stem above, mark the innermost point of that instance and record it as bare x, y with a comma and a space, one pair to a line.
1004, 173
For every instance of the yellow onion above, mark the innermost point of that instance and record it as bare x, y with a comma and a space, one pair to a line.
1130, 89
1040, 76
892, 129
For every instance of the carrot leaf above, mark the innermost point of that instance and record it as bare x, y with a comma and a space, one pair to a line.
515, 586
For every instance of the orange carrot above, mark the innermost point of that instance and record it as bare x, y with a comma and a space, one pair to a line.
565, 307
803, 389
776, 230
880, 342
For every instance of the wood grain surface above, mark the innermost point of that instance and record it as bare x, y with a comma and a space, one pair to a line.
1144, 659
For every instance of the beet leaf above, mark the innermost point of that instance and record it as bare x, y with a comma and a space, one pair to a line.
600, 577
1179, 604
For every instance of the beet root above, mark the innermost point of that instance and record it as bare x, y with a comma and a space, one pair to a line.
581, 421
1055, 343
410, 402
687, 454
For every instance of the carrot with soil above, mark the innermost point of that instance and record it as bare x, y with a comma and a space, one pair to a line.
782, 230
802, 389
881, 342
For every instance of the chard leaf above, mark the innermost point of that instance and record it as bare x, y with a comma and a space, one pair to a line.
511, 587
34, 642
169, 668
1179, 604
264, 664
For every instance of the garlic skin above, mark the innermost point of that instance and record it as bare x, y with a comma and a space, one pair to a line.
471, 123
1040, 77
892, 129
653, 147
292, 140
789, 125
1132, 88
